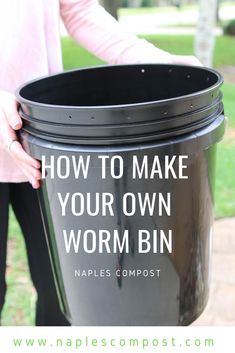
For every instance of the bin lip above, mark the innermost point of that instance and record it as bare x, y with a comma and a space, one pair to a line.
32, 103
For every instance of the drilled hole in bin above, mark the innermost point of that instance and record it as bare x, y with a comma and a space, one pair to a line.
142, 71
170, 71
92, 117
188, 76
129, 118
70, 117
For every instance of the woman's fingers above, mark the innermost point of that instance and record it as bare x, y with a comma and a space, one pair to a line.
15, 121
34, 175
28, 165
9, 122
10, 108
19, 154
35, 183
186, 60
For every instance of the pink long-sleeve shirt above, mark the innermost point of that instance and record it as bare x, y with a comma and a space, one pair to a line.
30, 46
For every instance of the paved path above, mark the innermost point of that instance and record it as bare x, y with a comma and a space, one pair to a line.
221, 306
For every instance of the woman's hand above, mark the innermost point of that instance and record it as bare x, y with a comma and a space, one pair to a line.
10, 122
185, 60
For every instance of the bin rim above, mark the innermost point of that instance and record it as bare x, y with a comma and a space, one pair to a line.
189, 96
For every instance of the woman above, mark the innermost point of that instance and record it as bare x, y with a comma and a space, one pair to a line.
30, 47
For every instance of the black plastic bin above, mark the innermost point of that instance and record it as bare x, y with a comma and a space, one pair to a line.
153, 114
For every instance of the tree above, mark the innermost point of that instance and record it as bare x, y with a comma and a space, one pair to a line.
111, 6
205, 37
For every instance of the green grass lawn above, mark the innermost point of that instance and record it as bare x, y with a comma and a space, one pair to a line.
19, 306
75, 56
225, 175
183, 45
